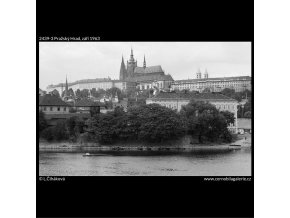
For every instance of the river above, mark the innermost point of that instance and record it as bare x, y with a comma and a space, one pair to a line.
121, 163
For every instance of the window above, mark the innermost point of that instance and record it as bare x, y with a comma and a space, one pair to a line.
58, 108
44, 108
64, 109
51, 108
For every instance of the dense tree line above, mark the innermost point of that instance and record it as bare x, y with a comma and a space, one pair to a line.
147, 123
152, 123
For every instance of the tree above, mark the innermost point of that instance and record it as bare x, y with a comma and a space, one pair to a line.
248, 114
73, 122
102, 127
94, 110
156, 123
42, 123
84, 93
205, 121
108, 104
47, 133
71, 92
206, 90
114, 91
152, 123
60, 131
229, 92
230, 117
55, 93
78, 93
94, 93
75, 126
248, 106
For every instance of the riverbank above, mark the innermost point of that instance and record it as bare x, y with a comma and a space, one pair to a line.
182, 145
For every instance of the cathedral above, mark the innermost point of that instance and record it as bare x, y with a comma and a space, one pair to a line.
145, 76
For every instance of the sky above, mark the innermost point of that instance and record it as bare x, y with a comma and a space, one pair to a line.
90, 60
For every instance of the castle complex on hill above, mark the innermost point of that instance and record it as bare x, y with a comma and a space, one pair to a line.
132, 76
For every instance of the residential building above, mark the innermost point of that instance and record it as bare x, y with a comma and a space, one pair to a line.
86, 105
51, 104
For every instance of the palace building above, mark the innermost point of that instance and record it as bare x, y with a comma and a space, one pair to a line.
100, 83
238, 83
176, 100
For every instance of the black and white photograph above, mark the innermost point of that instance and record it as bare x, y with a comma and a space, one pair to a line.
144, 116
145, 108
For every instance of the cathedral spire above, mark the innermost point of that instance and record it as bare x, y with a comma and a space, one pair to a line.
66, 86
131, 56
144, 62
123, 71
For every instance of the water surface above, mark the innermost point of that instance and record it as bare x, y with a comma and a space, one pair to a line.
142, 163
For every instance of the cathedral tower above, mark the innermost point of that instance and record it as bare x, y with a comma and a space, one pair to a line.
131, 64
123, 71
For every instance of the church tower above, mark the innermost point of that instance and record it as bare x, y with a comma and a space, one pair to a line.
198, 74
123, 71
131, 64
206, 74
144, 63
66, 88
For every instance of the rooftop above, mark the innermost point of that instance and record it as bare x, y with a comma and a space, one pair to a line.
87, 103
51, 100
150, 78
151, 69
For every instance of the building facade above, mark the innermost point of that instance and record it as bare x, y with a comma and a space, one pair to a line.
104, 83
175, 101
51, 104
238, 83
